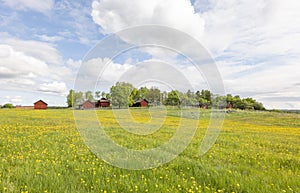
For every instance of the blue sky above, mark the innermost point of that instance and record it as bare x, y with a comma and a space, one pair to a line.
68, 24
256, 44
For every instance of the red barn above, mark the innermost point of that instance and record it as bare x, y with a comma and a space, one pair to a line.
40, 105
229, 106
87, 105
103, 102
141, 103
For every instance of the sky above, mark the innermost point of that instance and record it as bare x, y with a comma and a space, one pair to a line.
255, 45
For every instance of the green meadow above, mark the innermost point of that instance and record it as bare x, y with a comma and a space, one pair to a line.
255, 152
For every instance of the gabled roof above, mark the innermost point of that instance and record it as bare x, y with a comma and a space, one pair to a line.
40, 101
140, 100
88, 101
104, 100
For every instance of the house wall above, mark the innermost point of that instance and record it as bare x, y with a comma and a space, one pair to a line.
40, 105
144, 104
104, 104
229, 106
88, 105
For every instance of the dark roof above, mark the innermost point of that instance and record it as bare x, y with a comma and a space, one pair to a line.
95, 102
104, 100
40, 101
88, 101
140, 100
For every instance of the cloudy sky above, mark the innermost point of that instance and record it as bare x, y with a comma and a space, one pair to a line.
255, 44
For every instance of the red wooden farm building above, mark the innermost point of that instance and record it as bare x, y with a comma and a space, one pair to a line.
141, 103
40, 105
87, 105
103, 102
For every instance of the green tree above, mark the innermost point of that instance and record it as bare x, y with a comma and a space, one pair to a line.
108, 96
89, 96
229, 99
258, 106
237, 102
206, 94
198, 95
173, 98
74, 98
191, 99
70, 100
135, 94
248, 103
203, 103
189, 94
143, 92
121, 94
103, 94
8, 105
78, 98
219, 102
184, 99
153, 96
97, 94
164, 96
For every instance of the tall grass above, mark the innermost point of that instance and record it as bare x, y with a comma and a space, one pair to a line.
42, 151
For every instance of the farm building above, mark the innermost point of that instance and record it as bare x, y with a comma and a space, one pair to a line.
87, 105
103, 102
40, 105
229, 106
140, 103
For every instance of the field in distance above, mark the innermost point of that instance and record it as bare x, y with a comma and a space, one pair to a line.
42, 151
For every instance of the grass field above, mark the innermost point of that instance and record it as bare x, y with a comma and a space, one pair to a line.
42, 151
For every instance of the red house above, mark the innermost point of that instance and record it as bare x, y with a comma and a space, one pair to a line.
229, 106
40, 105
141, 103
87, 105
90, 105
103, 102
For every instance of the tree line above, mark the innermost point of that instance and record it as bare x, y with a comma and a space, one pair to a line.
123, 94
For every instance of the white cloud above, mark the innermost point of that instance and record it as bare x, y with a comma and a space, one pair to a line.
15, 63
114, 15
54, 87
257, 47
251, 29
47, 38
73, 64
100, 74
13, 99
39, 50
168, 75
31, 66
36, 5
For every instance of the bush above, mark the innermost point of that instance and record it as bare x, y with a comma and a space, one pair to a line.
8, 105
